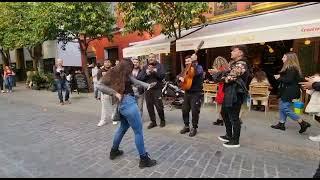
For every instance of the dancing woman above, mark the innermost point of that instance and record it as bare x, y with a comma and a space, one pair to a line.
118, 82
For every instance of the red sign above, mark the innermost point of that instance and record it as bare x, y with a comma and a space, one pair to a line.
311, 29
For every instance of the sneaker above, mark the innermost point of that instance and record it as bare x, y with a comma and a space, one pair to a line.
315, 138
61, 103
231, 144
224, 138
185, 130
115, 153
162, 123
145, 161
114, 122
3, 91
67, 102
152, 125
219, 122
101, 123
193, 132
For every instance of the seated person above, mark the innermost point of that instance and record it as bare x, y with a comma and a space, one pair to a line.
260, 79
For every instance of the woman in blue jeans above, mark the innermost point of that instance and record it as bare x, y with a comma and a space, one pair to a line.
289, 88
120, 86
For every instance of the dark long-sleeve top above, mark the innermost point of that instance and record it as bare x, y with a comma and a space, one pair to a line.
153, 76
62, 74
316, 86
289, 87
128, 87
234, 90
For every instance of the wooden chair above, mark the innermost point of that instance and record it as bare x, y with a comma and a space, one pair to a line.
259, 93
210, 91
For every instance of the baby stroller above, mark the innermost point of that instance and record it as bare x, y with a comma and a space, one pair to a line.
172, 96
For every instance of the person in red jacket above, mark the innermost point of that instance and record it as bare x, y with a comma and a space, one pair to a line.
219, 64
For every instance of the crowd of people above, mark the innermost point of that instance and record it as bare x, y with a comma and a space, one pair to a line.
126, 85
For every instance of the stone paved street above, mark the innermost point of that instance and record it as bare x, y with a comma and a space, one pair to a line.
39, 138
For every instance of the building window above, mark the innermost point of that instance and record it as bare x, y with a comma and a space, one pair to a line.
224, 7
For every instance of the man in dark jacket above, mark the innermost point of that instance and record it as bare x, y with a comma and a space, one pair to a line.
153, 72
192, 97
235, 93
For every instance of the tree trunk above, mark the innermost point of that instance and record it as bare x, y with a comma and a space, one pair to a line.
38, 56
5, 57
84, 62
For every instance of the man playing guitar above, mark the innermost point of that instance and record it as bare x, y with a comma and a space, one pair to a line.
193, 97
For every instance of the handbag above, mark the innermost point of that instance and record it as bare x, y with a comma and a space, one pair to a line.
116, 115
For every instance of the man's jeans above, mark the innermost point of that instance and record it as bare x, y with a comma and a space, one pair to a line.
62, 85
231, 119
285, 110
130, 117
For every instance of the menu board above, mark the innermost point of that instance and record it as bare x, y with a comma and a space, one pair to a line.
81, 81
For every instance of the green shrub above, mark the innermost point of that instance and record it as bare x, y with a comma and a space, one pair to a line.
42, 80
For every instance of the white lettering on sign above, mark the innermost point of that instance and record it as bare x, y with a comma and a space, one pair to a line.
311, 29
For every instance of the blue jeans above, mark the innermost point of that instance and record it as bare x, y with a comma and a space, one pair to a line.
9, 82
285, 111
62, 85
130, 117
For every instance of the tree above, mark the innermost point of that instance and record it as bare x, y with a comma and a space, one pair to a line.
3, 27
28, 24
173, 17
84, 22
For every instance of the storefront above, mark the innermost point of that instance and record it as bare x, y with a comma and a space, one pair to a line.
268, 36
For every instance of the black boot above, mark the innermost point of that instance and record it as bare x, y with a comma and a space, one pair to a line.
193, 132
304, 126
219, 122
145, 161
279, 126
185, 130
152, 125
162, 123
115, 153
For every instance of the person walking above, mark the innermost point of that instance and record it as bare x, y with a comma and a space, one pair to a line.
8, 75
139, 92
120, 86
153, 71
289, 78
61, 73
105, 99
192, 97
235, 92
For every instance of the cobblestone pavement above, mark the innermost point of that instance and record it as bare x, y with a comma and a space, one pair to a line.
54, 141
